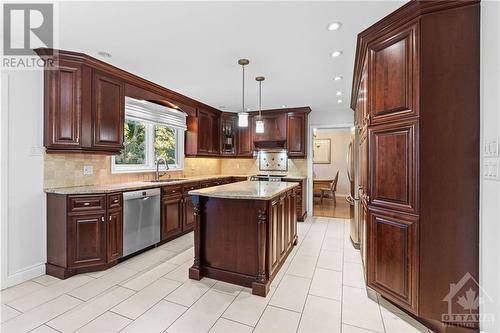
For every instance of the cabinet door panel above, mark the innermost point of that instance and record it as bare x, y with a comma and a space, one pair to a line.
393, 76
393, 253
171, 216
274, 254
115, 234
296, 135
393, 158
188, 218
89, 244
244, 142
63, 106
108, 112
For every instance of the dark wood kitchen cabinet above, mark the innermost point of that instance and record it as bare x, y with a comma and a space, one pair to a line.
229, 134
84, 233
418, 127
84, 107
203, 133
108, 112
296, 135
245, 141
188, 207
171, 216
115, 234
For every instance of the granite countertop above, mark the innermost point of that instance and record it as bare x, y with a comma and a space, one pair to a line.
253, 190
131, 186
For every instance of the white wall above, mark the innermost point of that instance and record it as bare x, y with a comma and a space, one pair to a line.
23, 224
340, 139
490, 190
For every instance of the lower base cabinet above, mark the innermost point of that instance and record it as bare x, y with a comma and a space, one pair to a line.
84, 233
393, 256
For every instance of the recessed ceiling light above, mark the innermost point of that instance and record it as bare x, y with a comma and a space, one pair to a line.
337, 78
339, 93
335, 54
248, 109
339, 101
334, 26
104, 54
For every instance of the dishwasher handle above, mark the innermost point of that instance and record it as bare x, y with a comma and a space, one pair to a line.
141, 194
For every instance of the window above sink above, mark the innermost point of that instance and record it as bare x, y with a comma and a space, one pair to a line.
151, 131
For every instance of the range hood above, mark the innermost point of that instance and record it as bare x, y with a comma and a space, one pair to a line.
274, 136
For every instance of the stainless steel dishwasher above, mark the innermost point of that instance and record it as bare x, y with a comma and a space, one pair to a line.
141, 224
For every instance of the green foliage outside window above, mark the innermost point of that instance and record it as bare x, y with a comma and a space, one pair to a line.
164, 143
134, 151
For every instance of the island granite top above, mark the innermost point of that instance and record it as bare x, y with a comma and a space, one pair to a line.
253, 190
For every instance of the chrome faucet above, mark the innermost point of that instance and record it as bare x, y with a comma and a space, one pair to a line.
157, 175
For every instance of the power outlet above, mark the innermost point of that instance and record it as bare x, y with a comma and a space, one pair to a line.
88, 170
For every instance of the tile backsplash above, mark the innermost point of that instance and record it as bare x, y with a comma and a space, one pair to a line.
63, 170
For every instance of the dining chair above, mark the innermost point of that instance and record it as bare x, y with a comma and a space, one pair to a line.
331, 190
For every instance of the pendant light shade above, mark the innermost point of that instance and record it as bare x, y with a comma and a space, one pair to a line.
243, 119
259, 124
243, 116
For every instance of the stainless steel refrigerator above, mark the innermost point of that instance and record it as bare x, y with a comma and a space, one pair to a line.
353, 197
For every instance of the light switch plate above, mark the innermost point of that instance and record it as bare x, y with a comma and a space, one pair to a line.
491, 148
490, 169
88, 170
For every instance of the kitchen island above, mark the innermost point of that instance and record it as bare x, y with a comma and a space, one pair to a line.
244, 232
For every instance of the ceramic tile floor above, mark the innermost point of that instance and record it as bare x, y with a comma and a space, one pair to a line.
320, 288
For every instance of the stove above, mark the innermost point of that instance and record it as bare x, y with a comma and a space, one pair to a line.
267, 178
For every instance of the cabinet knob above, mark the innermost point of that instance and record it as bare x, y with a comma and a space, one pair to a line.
102, 218
110, 218
86, 203
115, 201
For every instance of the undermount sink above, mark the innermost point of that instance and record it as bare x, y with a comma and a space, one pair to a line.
166, 180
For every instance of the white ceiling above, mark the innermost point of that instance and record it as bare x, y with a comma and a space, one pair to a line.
193, 47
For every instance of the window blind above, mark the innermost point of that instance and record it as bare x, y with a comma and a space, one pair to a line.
151, 112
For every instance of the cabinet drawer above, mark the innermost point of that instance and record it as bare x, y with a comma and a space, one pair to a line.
86, 203
115, 200
168, 190
189, 187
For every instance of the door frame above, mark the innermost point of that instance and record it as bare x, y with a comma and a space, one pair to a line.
310, 133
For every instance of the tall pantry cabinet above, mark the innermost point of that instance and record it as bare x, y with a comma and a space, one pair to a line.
416, 102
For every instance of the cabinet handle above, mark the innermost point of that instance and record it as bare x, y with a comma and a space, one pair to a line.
102, 218
77, 139
110, 217
173, 191
115, 201
86, 203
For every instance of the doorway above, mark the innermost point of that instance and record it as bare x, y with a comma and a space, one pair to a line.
331, 184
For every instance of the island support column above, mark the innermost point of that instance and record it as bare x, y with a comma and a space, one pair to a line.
194, 271
261, 286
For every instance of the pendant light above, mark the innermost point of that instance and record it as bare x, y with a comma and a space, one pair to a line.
243, 115
259, 124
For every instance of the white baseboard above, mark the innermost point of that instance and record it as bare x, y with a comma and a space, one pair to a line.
24, 275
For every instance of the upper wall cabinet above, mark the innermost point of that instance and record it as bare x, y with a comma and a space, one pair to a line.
84, 107
63, 108
108, 112
202, 135
393, 75
296, 134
